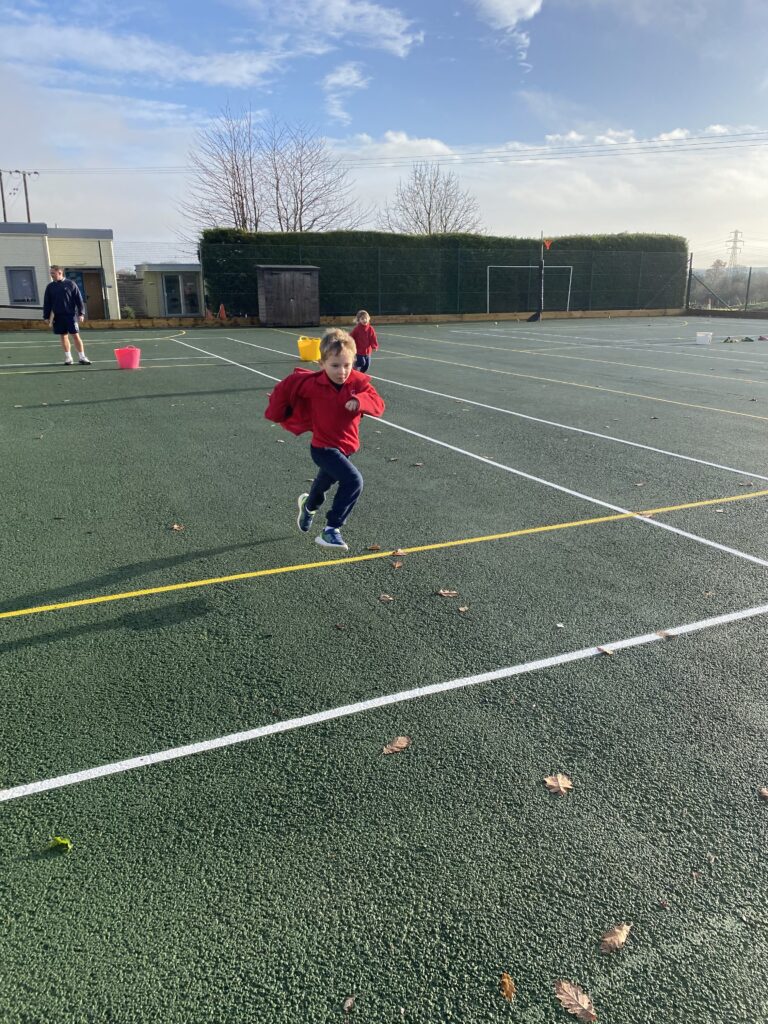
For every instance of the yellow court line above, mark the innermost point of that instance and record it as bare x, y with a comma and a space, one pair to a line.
589, 387
280, 570
548, 354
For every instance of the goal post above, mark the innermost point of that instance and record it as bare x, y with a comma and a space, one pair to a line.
529, 267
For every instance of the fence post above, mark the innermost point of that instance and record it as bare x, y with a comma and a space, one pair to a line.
746, 297
688, 286
458, 279
378, 274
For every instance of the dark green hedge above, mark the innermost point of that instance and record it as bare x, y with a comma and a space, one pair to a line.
401, 274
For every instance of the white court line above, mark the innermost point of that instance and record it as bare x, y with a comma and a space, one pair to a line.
617, 345
534, 419
347, 710
528, 476
144, 359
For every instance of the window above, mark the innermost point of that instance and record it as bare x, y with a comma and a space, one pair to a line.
22, 286
182, 296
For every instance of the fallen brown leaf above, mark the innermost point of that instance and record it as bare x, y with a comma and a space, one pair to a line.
464, 608
397, 744
575, 1000
615, 938
763, 792
398, 551
348, 1004
507, 986
605, 650
448, 593
340, 625
665, 634
559, 784
384, 598
177, 527
397, 565
374, 547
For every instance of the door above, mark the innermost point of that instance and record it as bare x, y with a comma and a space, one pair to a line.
172, 291
93, 295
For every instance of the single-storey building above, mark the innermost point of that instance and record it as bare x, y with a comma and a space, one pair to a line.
172, 289
27, 251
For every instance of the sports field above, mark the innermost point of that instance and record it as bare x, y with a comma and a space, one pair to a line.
202, 711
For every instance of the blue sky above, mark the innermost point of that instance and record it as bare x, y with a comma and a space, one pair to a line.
485, 86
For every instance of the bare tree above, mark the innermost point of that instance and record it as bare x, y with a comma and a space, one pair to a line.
268, 176
228, 186
431, 202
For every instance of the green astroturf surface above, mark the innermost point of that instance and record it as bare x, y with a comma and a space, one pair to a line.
271, 880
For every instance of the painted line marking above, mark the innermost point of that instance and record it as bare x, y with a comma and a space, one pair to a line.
440, 545
588, 387
373, 704
533, 419
549, 354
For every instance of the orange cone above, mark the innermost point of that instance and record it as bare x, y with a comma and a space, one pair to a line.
222, 312
208, 314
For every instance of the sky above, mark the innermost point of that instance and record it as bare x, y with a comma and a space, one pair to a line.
559, 116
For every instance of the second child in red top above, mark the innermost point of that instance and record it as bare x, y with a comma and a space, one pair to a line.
331, 404
365, 340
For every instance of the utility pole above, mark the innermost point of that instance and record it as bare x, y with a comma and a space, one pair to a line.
2, 196
24, 176
736, 243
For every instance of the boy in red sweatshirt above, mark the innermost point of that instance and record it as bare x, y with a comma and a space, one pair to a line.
365, 340
330, 403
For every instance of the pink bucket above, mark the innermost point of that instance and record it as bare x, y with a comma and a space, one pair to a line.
128, 358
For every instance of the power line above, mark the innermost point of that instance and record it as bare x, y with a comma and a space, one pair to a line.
647, 147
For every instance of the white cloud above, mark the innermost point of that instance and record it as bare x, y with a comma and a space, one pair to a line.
506, 15
133, 56
343, 79
372, 25
676, 133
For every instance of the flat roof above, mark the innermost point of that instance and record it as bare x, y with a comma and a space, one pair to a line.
285, 266
40, 228
154, 268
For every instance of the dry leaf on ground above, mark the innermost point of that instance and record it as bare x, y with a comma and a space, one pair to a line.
417, 463
665, 634
398, 551
605, 650
385, 598
340, 625
575, 1000
559, 784
507, 986
177, 527
448, 593
464, 608
615, 938
348, 1004
763, 792
397, 744
397, 565
374, 547
393, 460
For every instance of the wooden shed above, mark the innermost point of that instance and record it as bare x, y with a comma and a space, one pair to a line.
289, 296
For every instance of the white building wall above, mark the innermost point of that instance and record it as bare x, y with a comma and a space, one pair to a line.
89, 254
23, 250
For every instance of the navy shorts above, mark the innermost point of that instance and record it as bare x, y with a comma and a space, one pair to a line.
66, 325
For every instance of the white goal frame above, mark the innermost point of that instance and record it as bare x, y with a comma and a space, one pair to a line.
525, 266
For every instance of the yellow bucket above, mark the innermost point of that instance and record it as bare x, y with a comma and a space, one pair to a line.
309, 349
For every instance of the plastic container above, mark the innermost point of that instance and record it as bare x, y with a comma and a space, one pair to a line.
703, 337
309, 349
128, 358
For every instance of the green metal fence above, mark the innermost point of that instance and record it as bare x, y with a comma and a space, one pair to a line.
403, 281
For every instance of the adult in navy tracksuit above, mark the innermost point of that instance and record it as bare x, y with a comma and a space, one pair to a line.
63, 308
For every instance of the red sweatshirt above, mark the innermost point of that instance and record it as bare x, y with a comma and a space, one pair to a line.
365, 339
310, 401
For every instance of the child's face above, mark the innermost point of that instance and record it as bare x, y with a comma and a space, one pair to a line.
339, 366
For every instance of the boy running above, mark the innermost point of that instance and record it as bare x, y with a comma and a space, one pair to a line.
330, 402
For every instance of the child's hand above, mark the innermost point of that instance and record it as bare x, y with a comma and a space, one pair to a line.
352, 405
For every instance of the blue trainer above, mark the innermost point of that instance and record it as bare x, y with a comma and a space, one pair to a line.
331, 538
305, 517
